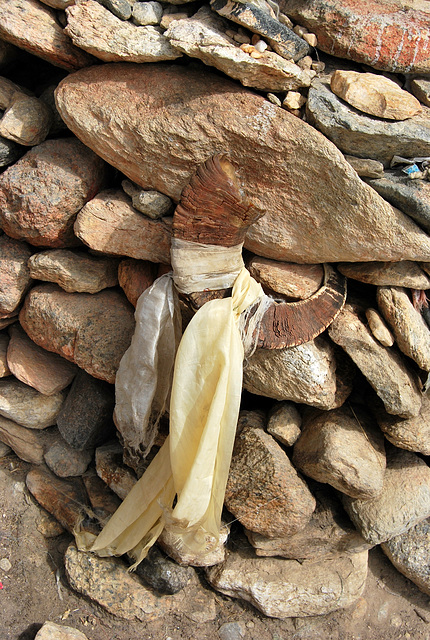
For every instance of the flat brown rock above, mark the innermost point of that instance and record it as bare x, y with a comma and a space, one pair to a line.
398, 274
293, 281
33, 26
41, 194
92, 330
109, 223
173, 106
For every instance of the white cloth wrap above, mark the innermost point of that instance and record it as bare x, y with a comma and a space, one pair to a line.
198, 266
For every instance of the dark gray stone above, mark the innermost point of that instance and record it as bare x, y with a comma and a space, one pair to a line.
120, 8
85, 419
163, 574
410, 196
10, 151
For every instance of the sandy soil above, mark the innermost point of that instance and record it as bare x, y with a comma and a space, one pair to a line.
34, 589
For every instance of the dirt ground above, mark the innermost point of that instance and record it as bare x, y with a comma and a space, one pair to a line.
34, 590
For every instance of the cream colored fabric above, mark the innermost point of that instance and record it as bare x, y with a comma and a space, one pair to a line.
194, 461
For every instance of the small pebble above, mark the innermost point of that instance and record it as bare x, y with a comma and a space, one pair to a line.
305, 63
5, 565
256, 54
147, 13
285, 20
311, 39
241, 38
293, 100
318, 66
255, 38
168, 18
120, 8
396, 620
260, 46
230, 33
299, 30
232, 631
247, 48
274, 99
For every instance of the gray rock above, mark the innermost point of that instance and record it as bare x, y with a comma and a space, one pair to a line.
342, 448
420, 87
383, 367
403, 502
120, 8
145, 13
357, 134
28, 407
85, 419
15, 274
410, 329
203, 36
410, 196
264, 491
53, 631
410, 554
398, 274
284, 423
282, 588
65, 461
412, 434
10, 151
304, 374
97, 31
232, 631
249, 15
151, 203
163, 574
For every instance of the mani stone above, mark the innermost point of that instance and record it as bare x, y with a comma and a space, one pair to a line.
203, 36
386, 35
420, 87
374, 94
383, 367
410, 196
304, 374
358, 134
53, 631
282, 588
96, 30
65, 461
74, 271
91, 330
412, 434
328, 532
4, 368
409, 327
284, 423
344, 449
409, 553
365, 167
403, 502
264, 491
41, 194
28, 444
15, 274
46, 372
378, 328
110, 224
85, 419
293, 281
28, 407
151, 203
31, 26
168, 106
134, 277
398, 274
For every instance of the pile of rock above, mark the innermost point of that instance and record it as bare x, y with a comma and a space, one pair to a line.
331, 450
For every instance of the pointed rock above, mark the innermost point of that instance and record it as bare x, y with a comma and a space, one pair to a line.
34, 27
78, 327
211, 109
284, 423
15, 277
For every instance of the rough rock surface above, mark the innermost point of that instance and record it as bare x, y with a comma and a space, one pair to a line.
74, 271
151, 203
168, 541
27, 120
342, 448
410, 196
109, 223
384, 368
396, 38
282, 588
397, 274
28, 444
41, 194
420, 87
409, 553
410, 329
85, 419
359, 135
15, 274
33, 27
77, 327
412, 434
134, 277
46, 372
374, 94
264, 491
378, 327
403, 502
328, 533
293, 281
112, 471
284, 423
26, 406
175, 106
203, 36
163, 574
304, 374
96, 30
365, 167
65, 461
94, 577
53, 631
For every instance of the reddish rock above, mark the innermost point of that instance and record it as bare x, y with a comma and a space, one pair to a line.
41, 194
386, 34
14, 273
134, 277
46, 372
92, 330
34, 27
